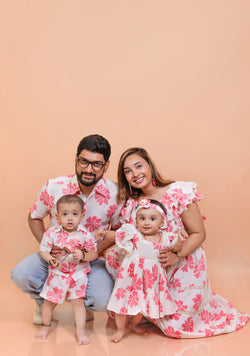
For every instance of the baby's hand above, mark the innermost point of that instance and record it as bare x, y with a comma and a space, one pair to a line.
182, 235
99, 235
77, 254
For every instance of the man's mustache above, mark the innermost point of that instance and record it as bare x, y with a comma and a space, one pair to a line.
88, 174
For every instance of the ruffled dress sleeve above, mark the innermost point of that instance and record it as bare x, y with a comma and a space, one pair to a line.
183, 194
127, 237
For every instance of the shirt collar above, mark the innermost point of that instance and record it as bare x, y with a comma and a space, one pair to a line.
99, 188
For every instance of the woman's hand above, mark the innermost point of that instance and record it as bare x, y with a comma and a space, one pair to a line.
167, 258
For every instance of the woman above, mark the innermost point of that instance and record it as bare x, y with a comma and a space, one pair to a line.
200, 312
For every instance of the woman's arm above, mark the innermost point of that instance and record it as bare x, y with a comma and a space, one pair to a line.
193, 223
108, 241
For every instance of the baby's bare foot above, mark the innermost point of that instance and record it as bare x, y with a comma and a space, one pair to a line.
82, 337
138, 330
118, 335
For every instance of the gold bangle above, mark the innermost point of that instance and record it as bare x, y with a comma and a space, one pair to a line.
179, 254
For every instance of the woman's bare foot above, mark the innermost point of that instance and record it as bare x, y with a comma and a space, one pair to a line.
43, 331
81, 337
118, 335
138, 330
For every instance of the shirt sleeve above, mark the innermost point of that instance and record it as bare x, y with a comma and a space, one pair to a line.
184, 194
43, 203
126, 237
46, 243
89, 243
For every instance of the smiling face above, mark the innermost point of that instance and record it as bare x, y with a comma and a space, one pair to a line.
149, 221
70, 215
137, 171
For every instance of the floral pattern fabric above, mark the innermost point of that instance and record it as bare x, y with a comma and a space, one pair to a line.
100, 206
200, 312
141, 284
69, 280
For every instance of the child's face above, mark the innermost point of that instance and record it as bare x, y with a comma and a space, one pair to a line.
149, 221
70, 216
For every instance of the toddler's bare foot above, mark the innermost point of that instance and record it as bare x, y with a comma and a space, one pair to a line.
43, 331
82, 337
118, 335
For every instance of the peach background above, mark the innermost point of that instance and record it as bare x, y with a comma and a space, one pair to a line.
171, 76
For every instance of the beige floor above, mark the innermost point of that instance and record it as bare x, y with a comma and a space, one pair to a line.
17, 331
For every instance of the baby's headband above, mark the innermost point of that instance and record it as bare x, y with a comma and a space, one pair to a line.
146, 204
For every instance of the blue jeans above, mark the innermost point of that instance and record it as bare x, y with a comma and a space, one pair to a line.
30, 275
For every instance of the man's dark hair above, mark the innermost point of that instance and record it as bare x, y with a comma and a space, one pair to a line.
95, 143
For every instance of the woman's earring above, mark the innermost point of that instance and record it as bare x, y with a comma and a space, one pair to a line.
153, 181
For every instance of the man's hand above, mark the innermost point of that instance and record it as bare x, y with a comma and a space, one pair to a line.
56, 251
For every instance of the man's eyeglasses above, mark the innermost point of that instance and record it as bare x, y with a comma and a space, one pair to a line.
84, 163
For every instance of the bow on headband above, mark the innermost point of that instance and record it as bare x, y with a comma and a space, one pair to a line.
146, 204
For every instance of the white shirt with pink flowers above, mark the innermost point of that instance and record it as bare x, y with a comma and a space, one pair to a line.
100, 207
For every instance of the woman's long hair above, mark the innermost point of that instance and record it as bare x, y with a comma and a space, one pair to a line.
124, 190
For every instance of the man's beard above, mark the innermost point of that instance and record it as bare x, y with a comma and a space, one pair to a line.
87, 183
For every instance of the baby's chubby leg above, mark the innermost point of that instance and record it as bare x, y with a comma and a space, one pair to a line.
80, 320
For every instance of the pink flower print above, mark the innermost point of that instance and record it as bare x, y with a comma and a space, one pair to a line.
206, 316
102, 195
133, 299
189, 263
120, 294
213, 304
148, 279
47, 199
155, 272
137, 283
131, 270
134, 241
119, 275
208, 332
68, 280
167, 200
179, 196
120, 235
71, 189
33, 207
123, 310
197, 196
244, 318
162, 284
141, 262
111, 210
167, 295
55, 295
157, 246
188, 326
92, 224
113, 261
175, 316
62, 238
170, 331
199, 267
89, 245
179, 304
82, 292
197, 301
169, 226
72, 283
50, 277
230, 304
73, 244
229, 318
174, 283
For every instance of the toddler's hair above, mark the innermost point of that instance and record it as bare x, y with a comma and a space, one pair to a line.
70, 198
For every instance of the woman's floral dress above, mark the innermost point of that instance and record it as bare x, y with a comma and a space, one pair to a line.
200, 312
141, 284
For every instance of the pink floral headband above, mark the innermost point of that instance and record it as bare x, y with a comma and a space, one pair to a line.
146, 204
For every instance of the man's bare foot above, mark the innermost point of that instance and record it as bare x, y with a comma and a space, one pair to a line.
118, 335
43, 331
89, 315
82, 338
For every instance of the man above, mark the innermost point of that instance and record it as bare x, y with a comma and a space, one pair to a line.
99, 196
